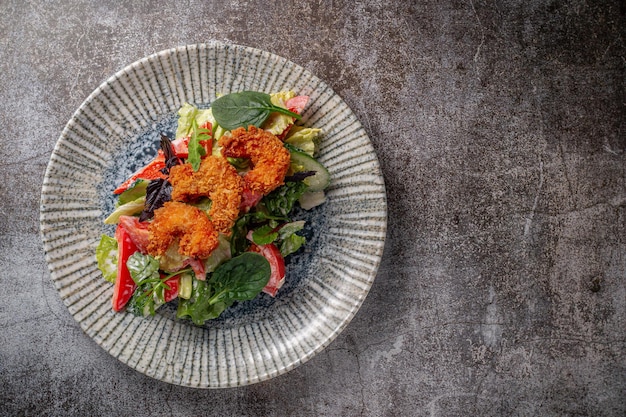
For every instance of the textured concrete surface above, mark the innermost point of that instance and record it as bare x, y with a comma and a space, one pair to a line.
501, 131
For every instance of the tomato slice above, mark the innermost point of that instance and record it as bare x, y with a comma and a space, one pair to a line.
124, 284
297, 104
277, 265
149, 172
172, 293
197, 266
137, 232
181, 147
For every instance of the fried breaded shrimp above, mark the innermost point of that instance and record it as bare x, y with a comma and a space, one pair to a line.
215, 179
269, 158
198, 237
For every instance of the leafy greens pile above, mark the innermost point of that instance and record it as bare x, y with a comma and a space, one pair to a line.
246, 262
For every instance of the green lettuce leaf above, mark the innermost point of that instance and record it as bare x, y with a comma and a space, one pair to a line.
276, 123
187, 114
304, 138
106, 255
172, 260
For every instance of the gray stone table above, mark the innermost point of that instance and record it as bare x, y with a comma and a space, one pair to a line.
500, 127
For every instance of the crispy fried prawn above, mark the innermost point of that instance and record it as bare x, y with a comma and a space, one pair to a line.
217, 180
269, 158
198, 237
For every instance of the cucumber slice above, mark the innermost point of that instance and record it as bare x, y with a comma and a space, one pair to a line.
301, 161
185, 286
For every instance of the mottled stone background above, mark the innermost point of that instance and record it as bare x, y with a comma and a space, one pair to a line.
501, 130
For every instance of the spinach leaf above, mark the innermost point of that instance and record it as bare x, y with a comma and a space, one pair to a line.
244, 109
142, 267
197, 307
239, 279
238, 241
144, 270
284, 236
288, 229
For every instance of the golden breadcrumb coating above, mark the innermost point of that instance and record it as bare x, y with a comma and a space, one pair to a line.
215, 179
175, 220
268, 156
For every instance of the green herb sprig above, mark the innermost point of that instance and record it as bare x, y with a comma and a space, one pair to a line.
195, 148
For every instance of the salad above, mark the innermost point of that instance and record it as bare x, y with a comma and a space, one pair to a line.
208, 222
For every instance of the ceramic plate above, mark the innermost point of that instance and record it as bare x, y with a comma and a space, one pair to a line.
116, 130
